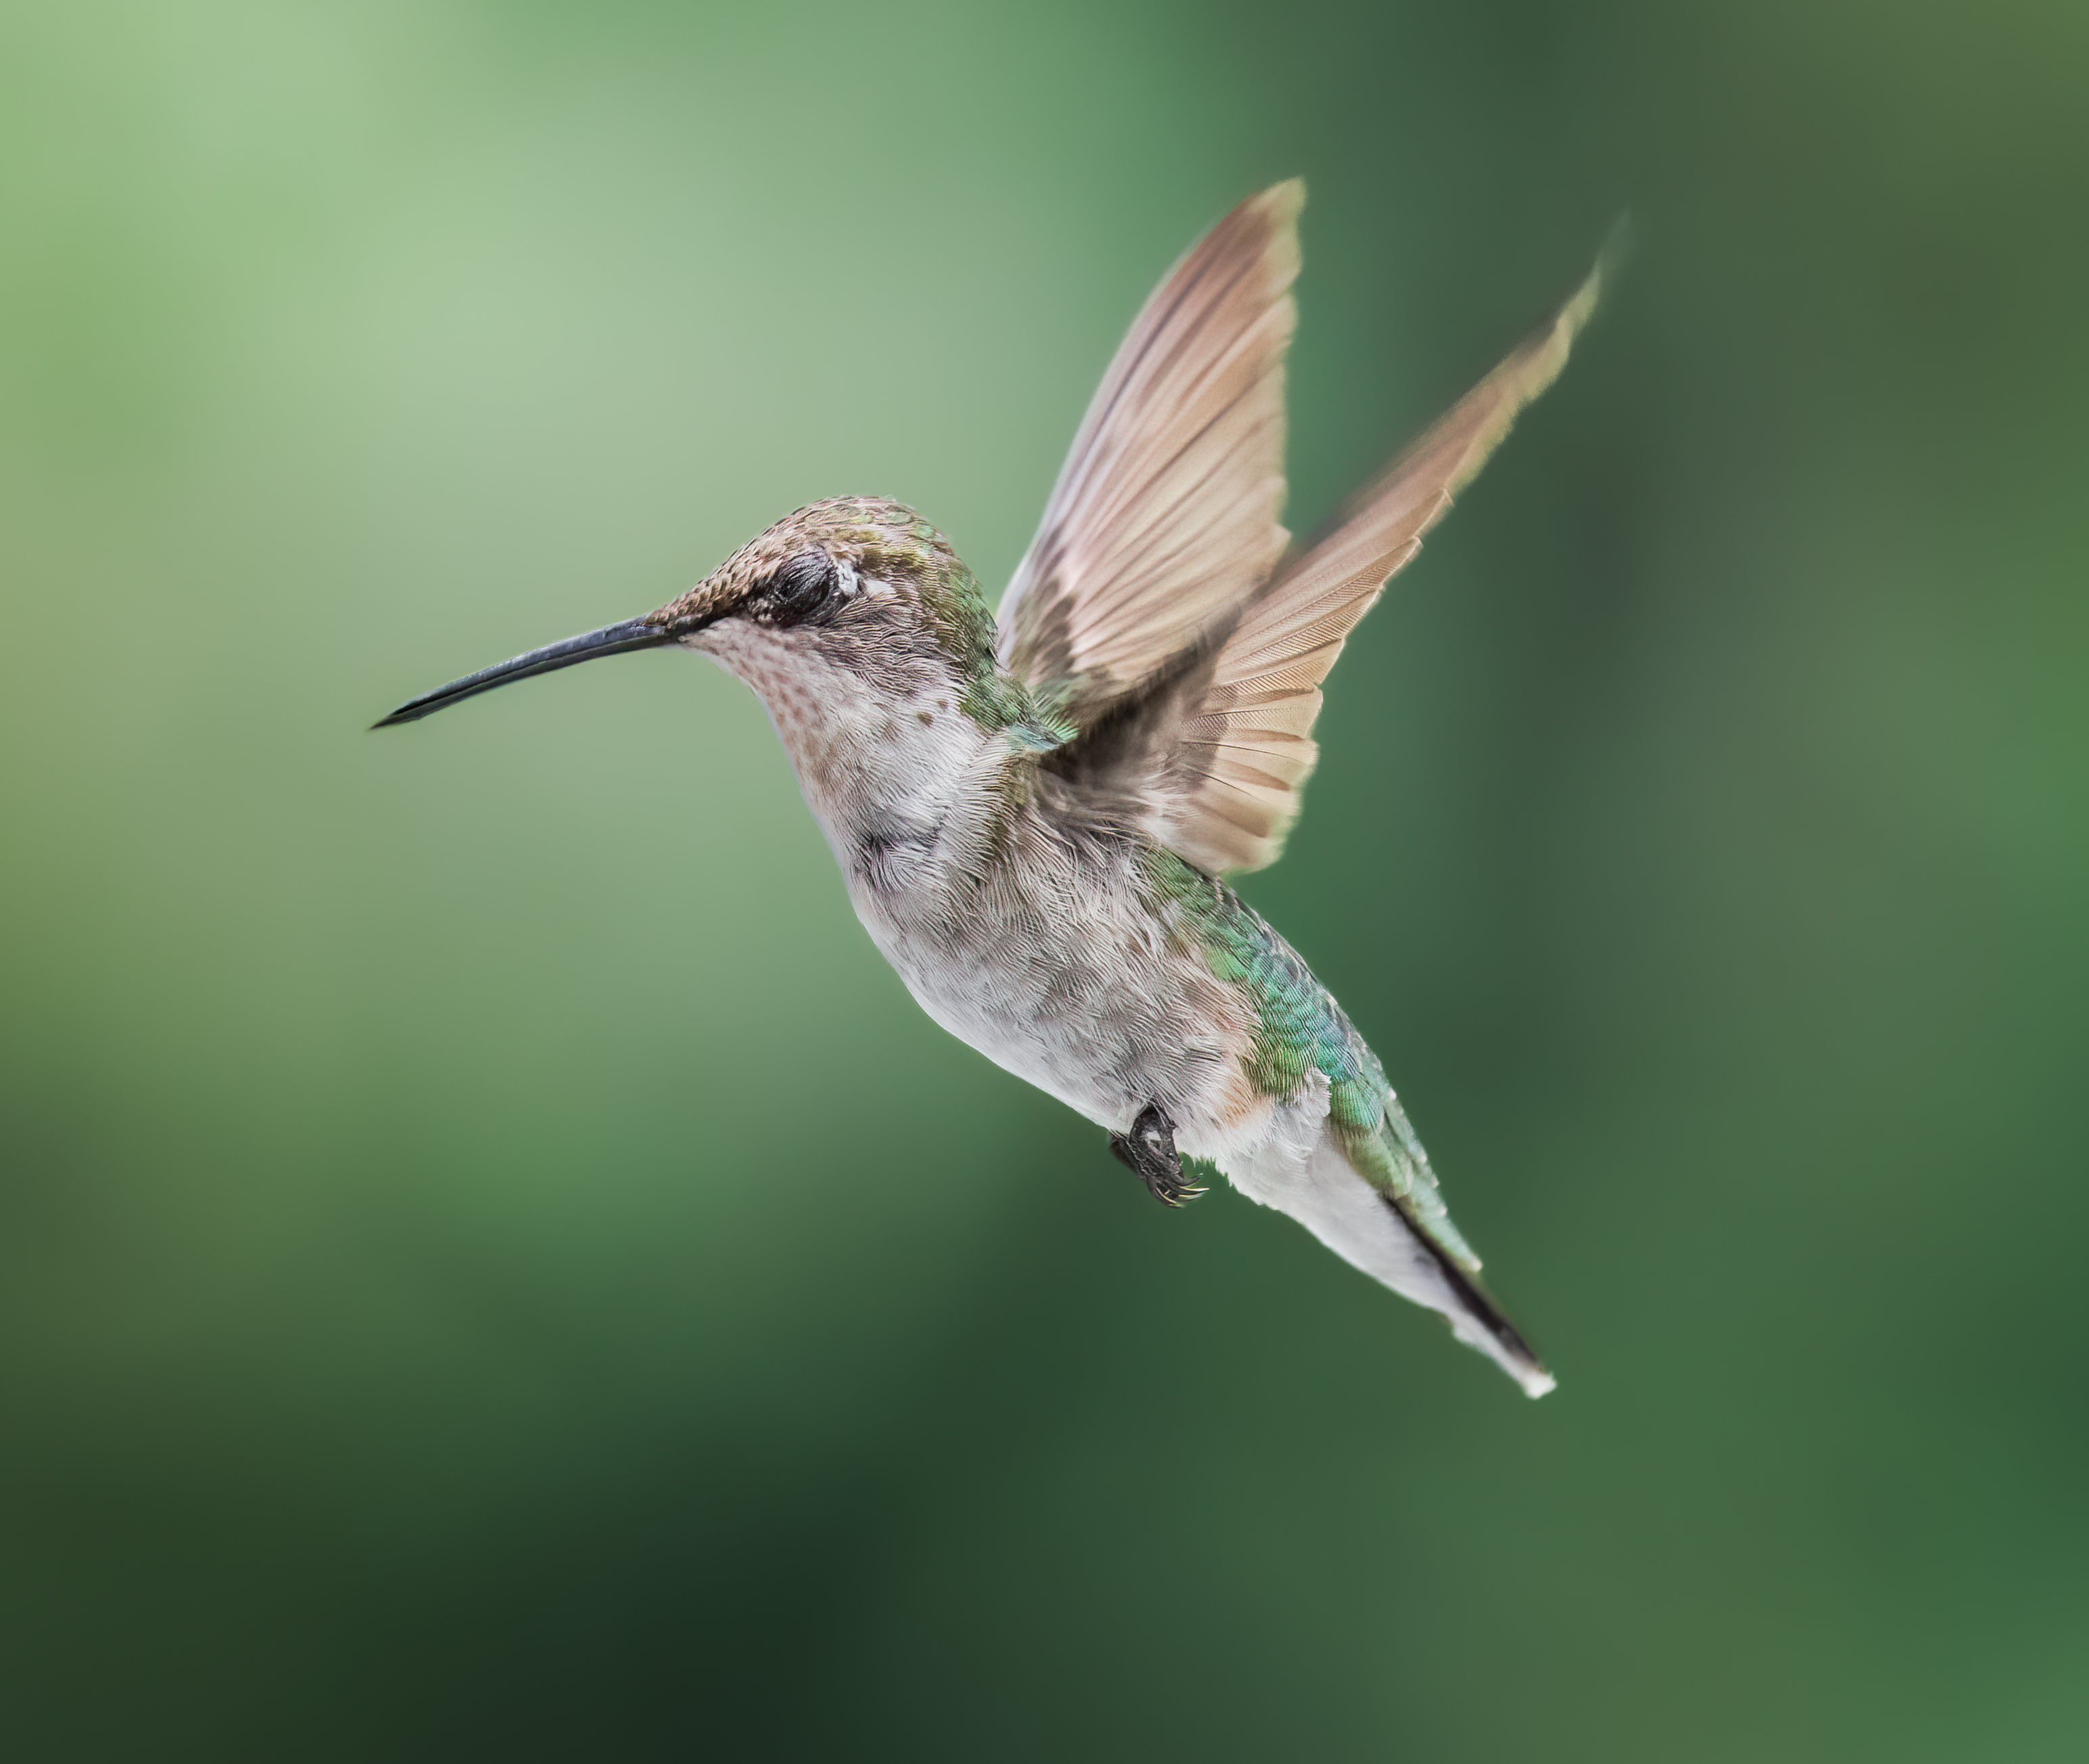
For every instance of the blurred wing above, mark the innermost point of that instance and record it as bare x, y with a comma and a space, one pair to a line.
1164, 516
1240, 744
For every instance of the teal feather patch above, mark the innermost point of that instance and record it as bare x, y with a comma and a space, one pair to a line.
1299, 1028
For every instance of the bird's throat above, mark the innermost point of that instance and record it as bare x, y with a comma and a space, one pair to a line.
905, 783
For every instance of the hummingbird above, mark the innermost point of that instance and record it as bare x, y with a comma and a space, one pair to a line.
1036, 815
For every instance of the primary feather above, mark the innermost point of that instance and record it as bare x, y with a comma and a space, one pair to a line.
1165, 514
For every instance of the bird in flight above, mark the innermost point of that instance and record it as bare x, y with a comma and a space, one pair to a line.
1035, 814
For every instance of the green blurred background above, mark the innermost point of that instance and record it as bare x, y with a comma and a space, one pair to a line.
492, 1264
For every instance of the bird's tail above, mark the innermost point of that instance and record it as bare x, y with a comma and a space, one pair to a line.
1372, 1199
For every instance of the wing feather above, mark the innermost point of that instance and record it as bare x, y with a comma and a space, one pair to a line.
1166, 515
1227, 790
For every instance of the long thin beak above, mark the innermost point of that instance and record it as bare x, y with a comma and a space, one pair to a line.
610, 640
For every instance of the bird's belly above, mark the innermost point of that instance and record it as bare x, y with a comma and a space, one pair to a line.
1099, 1010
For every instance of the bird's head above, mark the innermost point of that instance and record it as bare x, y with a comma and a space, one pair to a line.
843, 607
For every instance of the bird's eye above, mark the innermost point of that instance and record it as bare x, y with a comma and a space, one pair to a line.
800, 587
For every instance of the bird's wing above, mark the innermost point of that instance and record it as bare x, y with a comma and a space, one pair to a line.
1209, 755
1166, 515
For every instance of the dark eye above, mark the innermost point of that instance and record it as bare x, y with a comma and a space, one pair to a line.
800, 589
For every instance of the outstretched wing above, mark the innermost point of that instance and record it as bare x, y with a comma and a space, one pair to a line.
1164, 516
1209, 757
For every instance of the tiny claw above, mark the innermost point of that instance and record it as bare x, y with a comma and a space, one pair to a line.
1178, 1193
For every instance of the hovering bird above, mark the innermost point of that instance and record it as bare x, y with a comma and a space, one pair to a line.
1035, 816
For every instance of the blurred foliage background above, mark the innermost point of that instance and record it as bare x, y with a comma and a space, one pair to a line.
493, 1265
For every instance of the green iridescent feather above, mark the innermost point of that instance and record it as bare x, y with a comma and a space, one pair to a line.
1298, 1028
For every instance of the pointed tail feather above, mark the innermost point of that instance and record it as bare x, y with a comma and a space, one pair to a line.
1393, 1239
1478, 1321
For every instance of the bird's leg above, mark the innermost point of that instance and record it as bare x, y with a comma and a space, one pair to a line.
1149, 1149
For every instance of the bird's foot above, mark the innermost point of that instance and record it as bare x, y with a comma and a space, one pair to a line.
1149, 1150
